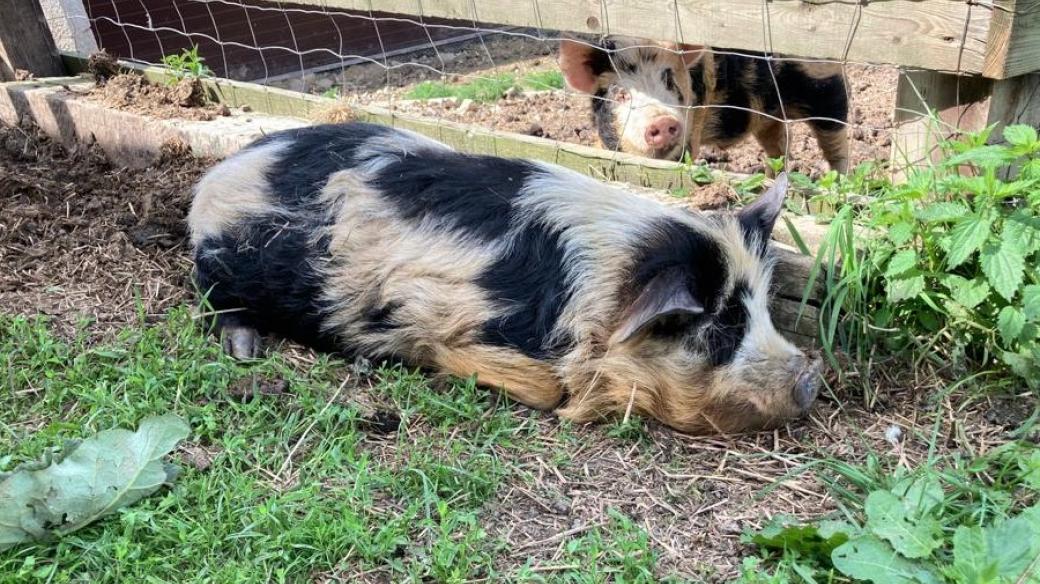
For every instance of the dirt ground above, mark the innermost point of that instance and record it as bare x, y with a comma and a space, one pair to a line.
80, 238
566, 115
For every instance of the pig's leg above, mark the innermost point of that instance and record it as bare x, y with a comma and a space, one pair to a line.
239, 340
772, 136
524, 379
833, 139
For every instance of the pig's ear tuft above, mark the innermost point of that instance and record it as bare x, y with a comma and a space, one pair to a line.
666, 295
758, 219
576, 63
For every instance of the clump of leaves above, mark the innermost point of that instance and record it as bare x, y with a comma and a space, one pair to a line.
929, 527
87, 480
951, 261
187, 65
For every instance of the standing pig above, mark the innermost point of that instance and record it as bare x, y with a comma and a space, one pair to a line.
566, 293
658, 99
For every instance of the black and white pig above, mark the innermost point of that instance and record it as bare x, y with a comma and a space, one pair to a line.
660, 99
563, 291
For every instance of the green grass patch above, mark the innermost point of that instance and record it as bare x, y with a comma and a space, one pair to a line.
405, 505
486, 89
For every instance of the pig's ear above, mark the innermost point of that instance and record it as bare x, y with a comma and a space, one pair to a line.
577, 63
667, 294
758, 218
691, 54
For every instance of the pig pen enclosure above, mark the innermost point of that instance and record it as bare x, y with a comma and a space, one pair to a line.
916, 274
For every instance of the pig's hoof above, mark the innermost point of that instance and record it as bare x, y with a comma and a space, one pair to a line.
241, 342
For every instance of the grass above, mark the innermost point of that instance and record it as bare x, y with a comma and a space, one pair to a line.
298, 487
485, 89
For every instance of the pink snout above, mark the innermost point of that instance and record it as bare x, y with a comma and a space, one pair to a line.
663, 133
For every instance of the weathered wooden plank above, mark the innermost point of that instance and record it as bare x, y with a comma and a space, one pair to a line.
1013, 45
25, 41
962, 104
933, 34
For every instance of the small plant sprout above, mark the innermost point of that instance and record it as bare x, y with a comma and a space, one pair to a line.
187, 65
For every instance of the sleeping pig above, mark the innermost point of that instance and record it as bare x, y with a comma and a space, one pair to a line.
659, 100
566, 293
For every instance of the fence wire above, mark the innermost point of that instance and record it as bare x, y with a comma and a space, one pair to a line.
414, 64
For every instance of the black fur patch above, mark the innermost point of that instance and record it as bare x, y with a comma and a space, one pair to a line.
603, 117
728, 328
674, 244
379, 319
531, 281
473, 193
822, 98
731, 83
266, 268
312, 154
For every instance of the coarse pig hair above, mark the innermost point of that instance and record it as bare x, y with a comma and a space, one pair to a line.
567, 293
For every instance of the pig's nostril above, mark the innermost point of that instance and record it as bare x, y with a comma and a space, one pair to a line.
654, 132
673, 130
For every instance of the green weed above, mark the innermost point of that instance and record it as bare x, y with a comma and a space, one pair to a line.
944, 266
187, 65
960, 520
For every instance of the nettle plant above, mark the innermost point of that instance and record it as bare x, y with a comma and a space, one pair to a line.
948, 260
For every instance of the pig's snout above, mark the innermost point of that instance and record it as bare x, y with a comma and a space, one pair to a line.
807, 386
663, 133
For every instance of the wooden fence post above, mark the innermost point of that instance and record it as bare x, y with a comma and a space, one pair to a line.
26, 43
962, 104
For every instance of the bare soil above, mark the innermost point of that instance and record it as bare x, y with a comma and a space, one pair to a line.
184, 99
80, 238
566, 115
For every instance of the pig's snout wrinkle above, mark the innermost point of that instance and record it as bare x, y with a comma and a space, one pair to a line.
807, 386
663, 133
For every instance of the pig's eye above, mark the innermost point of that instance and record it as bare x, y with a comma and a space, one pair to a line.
622, 96
669, 79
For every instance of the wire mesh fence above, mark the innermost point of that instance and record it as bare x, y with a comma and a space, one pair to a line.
510, 79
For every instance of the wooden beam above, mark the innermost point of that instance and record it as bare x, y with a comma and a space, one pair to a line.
25, 41
947, 35
961, 104
1013, 44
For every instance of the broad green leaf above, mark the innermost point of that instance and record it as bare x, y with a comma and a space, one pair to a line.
1031, 302
1000, 553
900, 233
1024, 230
990, 155
904, 288
1010, 322
967, 293
1030, 467
920, 495
1004, 268
105, 472
1021, 363
870, 559
941, 212
785, 533
1020, 135
901, 263
966, 237
913, 537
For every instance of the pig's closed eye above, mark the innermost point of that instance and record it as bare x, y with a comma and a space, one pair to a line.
669, 79
621, 95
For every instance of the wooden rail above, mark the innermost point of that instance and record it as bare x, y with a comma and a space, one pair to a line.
997, 39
